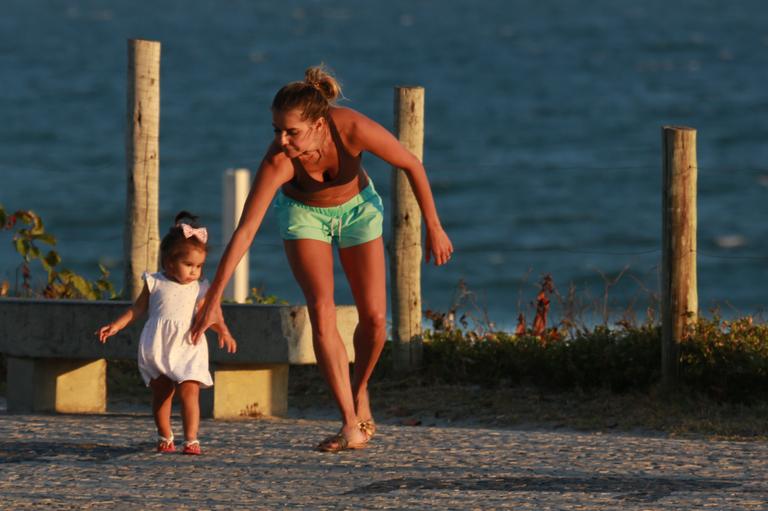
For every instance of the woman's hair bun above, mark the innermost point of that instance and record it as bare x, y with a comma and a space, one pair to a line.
322, 79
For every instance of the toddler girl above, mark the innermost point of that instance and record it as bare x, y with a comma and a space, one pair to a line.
168, 359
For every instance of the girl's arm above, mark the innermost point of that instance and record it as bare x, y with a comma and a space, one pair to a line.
368, 135
138, 309
274, 171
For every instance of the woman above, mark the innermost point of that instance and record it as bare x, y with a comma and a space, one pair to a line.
324, 198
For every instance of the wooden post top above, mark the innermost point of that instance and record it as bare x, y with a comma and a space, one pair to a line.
678, 128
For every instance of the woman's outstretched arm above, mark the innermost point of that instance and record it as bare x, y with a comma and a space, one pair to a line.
368, 135
273, 172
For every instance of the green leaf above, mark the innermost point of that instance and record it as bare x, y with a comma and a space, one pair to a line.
52, 258
37, 225
22, 247
82, 286
26, 217
45, 238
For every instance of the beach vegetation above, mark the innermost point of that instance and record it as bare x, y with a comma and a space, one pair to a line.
726, 360
34, 244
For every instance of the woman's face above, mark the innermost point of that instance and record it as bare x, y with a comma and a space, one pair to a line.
294, 135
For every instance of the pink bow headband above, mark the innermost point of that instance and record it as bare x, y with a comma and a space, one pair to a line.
201, 233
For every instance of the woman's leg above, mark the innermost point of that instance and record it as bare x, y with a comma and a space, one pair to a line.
162, 399
189, 392
366, 273
312, 264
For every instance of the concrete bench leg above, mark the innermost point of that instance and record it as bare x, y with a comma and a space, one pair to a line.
57, 385
248, 390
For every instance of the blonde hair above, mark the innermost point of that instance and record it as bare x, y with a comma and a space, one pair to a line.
312, 96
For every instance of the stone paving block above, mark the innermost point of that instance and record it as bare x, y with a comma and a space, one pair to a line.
108, 462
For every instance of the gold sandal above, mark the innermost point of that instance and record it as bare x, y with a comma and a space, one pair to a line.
338, 443
368, 427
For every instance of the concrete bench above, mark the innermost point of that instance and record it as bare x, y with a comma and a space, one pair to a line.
56, 364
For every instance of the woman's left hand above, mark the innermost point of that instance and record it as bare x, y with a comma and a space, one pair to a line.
438, 246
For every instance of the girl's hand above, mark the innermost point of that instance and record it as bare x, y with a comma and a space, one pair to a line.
106, 332
437, 246
226, 341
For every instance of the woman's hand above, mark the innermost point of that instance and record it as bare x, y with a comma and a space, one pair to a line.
208, 316
438, 246
211, 316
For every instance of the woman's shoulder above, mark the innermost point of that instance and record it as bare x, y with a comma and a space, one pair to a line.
350, 125
343, 116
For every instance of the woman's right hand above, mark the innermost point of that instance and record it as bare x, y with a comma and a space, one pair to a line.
209, 314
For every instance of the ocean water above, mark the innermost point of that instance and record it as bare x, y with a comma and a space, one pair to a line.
542, 130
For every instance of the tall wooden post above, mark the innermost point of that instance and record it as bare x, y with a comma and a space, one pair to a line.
405, 250
141, 239
236, 185
679, 295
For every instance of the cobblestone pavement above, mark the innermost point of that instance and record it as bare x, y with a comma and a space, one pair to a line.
107, 462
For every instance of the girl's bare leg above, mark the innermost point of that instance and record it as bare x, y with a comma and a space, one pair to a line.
162, 398
189, 392
312, 264
365, 270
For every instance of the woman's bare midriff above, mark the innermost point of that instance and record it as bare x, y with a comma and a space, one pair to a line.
335, 194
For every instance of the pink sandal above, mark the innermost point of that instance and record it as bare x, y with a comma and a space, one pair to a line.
192, 447
165, 444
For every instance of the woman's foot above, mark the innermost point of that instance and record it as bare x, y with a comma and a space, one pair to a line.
347, 439
368, 427
363, 409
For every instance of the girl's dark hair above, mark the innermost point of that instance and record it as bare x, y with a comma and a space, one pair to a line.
174, 244
312, 96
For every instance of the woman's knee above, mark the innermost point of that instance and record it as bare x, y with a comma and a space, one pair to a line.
374, 322
322, 315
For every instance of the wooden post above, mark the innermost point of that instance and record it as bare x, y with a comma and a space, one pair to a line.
236, 185
679, 295
405, 249
140, 238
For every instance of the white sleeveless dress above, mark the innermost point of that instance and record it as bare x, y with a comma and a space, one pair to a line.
165, 347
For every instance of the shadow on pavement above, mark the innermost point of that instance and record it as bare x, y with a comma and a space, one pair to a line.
638, 489
16, 452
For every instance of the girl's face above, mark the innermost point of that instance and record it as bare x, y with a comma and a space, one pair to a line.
295, 136
187, 267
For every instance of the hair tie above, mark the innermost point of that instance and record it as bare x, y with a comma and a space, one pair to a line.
201, 233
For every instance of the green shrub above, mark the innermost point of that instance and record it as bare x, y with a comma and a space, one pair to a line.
726, 360
602, 358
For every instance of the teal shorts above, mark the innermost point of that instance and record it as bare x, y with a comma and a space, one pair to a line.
357, 221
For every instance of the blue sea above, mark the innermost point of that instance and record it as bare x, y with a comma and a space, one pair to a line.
543, 131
